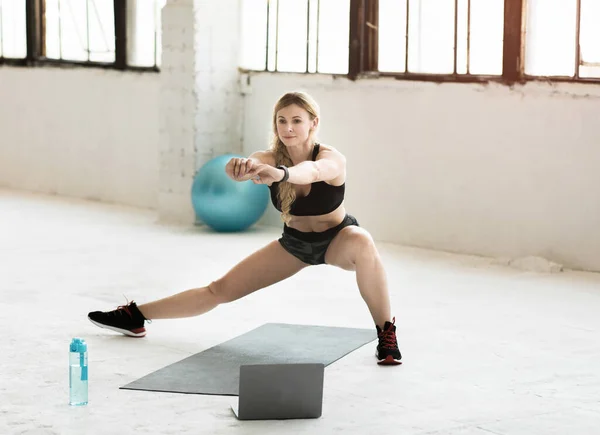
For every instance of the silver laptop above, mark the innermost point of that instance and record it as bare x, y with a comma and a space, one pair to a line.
280, 391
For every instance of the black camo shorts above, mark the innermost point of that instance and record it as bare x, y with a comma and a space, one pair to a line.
311, 247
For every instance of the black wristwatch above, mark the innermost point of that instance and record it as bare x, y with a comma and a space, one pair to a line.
286, 174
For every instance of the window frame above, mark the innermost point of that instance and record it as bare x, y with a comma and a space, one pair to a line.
363, 47
362, 62
36, 42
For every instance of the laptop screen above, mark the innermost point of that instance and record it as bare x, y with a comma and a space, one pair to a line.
280, 391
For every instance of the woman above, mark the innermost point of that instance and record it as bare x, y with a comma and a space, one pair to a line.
307, 184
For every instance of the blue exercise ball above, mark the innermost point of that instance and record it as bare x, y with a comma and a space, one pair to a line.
223, 204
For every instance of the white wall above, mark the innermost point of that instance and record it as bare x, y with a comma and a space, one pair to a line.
125, 137
200, 104
80, 132
459, 167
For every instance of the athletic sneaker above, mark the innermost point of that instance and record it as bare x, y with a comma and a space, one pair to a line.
387, 349
126, 319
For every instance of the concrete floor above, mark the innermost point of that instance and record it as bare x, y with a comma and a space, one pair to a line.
487, 349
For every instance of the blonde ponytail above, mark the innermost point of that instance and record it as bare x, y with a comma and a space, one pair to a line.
287, 193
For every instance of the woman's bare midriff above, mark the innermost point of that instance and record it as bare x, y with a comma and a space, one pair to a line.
320, 223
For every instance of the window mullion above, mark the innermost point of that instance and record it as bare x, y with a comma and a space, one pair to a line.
371, 35
1, 27
577, 41
318, 34
407, 36
120, 8
87, 29
307, 34
363, 37
267, 37
34, 23
455, 37
468, 37
357, 20
276, 61
512, 62
42, 36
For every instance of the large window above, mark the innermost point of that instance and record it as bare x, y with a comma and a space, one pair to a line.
80, 30
441, 40
296, 35
111, 33
441, 37
13, 29
563, 38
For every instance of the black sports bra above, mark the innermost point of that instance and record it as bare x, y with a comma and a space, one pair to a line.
323, 198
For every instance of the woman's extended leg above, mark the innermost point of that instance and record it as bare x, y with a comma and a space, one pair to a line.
263, 268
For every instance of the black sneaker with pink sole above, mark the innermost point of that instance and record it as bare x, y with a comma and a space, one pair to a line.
387, 349
126, 319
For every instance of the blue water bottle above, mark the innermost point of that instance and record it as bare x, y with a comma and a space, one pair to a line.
78, 373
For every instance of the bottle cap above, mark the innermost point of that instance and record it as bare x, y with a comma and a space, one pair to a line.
78, 345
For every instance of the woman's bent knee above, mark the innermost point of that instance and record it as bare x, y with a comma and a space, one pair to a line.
361, 247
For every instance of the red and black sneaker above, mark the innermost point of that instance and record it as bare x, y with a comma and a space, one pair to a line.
126, 319
387, 349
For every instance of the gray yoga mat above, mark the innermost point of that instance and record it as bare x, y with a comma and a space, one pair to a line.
217, 370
